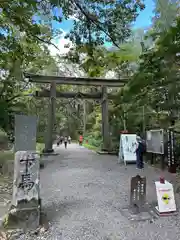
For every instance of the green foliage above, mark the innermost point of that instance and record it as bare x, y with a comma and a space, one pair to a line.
6, 155
23, 48
93, 138
91, 147
166, 12
40, 147
100, 22
3, 137
158, 72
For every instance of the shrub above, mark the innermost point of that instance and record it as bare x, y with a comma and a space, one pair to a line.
93, 138
3, 140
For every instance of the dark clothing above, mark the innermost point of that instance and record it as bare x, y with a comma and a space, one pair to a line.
139, 161
65, 142
58, 141
61, 139
139, 155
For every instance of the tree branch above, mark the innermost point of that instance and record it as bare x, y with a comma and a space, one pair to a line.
30, 32
17, 95
94, 20
44, 41
6, 81
12, 98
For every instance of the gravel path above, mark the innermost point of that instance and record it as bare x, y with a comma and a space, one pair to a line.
83, 194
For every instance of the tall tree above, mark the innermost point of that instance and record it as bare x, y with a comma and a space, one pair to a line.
165, 12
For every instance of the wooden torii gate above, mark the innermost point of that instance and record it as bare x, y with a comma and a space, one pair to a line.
53, 94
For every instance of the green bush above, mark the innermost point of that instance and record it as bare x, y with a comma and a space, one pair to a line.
3, 140
93, 139
40, 147
91, 147
3, 137
5, 156
40, 139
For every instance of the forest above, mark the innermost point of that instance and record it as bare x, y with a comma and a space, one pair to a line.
104, 44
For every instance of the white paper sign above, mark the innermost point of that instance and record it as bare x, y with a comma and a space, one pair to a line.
165, 197
148, 135
127, 148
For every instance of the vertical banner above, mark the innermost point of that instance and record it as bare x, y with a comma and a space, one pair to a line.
171, 152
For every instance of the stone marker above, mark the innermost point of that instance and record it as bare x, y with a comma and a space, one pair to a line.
25, 208
25, 133
138, 192
139, 209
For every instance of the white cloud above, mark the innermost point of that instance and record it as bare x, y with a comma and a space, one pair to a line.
62, 44
74, 18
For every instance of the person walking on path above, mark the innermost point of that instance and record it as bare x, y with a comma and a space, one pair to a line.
69, 140
139, 153
80, 140
65, 142
58, 140
61, 139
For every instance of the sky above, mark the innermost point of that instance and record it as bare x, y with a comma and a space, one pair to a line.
143, 21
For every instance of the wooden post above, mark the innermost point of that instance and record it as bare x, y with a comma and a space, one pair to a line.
152, 158
51, 119
84, 117
144, 123
105, 120
163, 165
124, 120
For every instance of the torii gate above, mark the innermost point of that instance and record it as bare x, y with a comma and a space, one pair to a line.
52, 94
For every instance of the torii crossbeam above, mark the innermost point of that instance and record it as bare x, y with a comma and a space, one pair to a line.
76, 81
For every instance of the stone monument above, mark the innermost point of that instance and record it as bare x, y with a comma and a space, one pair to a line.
139, 209
25, 208
138, 192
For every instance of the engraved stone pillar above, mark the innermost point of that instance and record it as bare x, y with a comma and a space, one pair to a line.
138, 192
25, 208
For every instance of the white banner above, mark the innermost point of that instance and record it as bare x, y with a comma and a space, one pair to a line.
127, 148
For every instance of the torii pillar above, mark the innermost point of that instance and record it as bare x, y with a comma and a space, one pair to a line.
51, 119
105, 121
